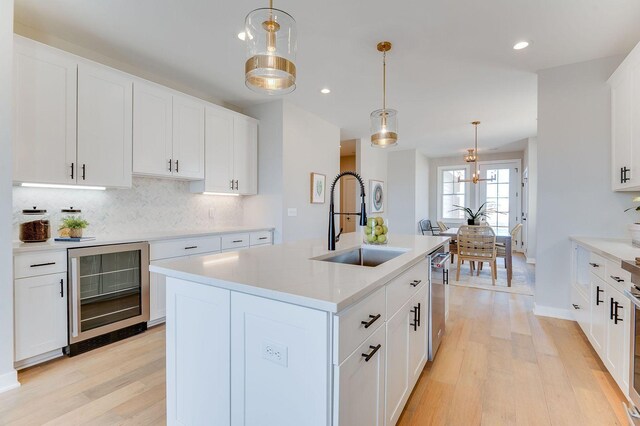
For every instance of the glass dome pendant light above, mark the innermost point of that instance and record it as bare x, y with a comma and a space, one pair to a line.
384, 122
473, 153
271, 39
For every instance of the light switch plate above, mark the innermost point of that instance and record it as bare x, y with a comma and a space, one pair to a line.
292, 211
275, 352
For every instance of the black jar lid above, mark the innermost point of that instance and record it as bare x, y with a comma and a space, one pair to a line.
33, 211
71, 210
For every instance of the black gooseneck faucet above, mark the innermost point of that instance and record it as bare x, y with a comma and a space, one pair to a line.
332, 213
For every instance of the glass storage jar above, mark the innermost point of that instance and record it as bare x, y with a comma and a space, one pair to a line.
34, 226
375, 231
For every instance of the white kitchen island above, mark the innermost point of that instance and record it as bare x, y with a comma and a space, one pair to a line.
274, 336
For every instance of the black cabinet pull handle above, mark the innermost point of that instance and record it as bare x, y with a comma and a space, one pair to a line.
262, 238
170, 165
418, 314
598, 290
231, 184
84, 171
62, 288
617, 279
190, 247
616, 317
373, 319
445, 272
370, 355
611, 309
177, 166
72, 166
36, 265
415, 283
415, 322
624, 171
575, 306
595, 265
236, 241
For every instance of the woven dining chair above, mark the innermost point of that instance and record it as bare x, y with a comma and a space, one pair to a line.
442, 225
477, 244
501, 250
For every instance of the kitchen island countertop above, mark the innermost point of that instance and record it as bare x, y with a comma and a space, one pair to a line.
288, 272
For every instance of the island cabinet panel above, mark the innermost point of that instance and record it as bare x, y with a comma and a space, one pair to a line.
360, 384
198, 354
280, 365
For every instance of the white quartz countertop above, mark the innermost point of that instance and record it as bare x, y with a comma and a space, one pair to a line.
19, 247
611, 248
287, 272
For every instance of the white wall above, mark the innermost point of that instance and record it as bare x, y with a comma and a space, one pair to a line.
531, 163
371, 165
292, 144
574, 171
8, 377
310, 145
401, 199
151, 205
422, 180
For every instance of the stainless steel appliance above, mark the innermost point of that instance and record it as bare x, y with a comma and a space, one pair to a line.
108, 294
634, 361
438, 279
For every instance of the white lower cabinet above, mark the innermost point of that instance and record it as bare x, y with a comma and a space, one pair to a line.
360, 384
157, 297
617, 341
598, 326
198, 354
40, 315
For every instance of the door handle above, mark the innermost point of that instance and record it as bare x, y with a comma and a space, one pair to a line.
598, 290
370, 355
373, 319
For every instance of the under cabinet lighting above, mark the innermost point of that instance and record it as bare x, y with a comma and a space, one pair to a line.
220, 193
51, 185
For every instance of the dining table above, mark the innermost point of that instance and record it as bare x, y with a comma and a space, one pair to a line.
502, 236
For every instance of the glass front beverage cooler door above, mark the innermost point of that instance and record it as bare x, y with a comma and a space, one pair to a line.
109, 289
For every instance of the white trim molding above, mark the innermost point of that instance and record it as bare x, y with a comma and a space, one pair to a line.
9, 381
531, 260
548, 311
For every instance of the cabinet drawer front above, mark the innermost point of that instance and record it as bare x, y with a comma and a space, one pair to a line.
597, 265
261, 237
400, 289
184, 247
40, 263
617, 277
358, 323
232, 241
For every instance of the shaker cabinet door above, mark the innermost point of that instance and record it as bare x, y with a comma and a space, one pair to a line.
599, 312
245, 155
44, 142
219, 152
104, 127
152, 130
40, 315
188, 138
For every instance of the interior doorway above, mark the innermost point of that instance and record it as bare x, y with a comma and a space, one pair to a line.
348, 185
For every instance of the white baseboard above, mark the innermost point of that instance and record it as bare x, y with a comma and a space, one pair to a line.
9, 381
548, 311
38, 359
531, 260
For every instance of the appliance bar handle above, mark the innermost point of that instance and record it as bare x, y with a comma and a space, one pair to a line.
373, 319
439, 260
616, 279
37, 265
415, 283
370, 355
598, 290
445, 276
74, 297
616, 317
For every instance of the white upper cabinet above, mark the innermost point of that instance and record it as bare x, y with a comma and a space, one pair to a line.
231, 154
188, 138
105, 101
152, 130
625, 126
44, 147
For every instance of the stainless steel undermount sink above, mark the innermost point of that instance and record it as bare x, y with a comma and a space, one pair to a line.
363, 256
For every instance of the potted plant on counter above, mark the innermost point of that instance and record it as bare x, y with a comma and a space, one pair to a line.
73, 225
635, 227
473, 217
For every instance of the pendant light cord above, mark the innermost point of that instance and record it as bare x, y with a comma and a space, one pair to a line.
384, 80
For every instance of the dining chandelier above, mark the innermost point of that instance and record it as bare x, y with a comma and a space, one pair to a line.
472, 156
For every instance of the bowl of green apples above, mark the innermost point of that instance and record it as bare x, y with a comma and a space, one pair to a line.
375, 231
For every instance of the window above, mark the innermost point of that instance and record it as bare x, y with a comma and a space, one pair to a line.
498, 200
451, 192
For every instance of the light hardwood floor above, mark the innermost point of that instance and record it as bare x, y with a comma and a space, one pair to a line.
498, 365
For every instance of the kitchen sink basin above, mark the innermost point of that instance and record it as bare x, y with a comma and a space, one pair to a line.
363, 256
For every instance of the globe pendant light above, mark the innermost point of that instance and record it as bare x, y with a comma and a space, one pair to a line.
472, 157
270, 35
384, 122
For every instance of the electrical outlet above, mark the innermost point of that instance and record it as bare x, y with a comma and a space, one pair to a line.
212, 213
274, 352
292, 211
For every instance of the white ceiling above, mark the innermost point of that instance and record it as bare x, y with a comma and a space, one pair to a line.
452, 61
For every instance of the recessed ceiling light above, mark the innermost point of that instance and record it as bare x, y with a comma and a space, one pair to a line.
520, 45
242, 35
325, 91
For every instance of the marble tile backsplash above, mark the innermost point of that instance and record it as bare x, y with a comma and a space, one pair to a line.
151, 205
